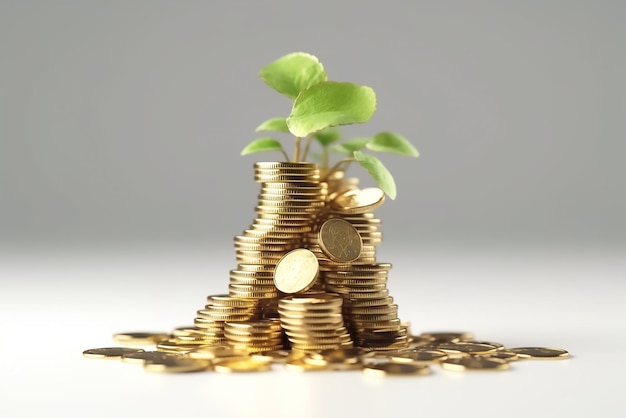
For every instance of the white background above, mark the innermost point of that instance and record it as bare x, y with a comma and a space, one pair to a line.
65, 303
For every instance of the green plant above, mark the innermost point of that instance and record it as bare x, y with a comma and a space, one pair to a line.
319, 107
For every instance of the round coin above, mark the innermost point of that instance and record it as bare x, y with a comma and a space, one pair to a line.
340, 241
418, 356
296, 271
395, 369
142, 357
474, 363
540, 353
109, 352
239, 365
140, 338
176, 364
359, 201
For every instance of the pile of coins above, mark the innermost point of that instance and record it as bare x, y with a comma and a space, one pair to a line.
308, 292
454, 351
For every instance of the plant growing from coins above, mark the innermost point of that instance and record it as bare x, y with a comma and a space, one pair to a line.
319, 107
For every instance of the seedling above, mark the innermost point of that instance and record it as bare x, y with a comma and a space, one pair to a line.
319, 107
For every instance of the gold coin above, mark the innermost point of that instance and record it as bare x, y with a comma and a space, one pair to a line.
340, 241
359, 201
396, 369
110, 352
504, 355
540, 353
274, 356
143, 356
240, 365
447, 336
217, 352
176, 364
474, 363
139, 338
418, 356
467, 348
296, 271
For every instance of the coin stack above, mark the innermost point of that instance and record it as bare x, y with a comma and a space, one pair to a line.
254, 336
313, 321
290, 199
369, 311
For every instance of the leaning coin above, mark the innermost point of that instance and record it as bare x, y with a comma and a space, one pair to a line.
142, 357
474, 363
359, 201
176, 364
540, 353
395, 369
109, 352
296, 271
139, 338
340, 241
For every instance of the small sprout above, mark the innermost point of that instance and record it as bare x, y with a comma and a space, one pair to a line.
291, 74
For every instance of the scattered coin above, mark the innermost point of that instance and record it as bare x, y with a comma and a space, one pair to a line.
474, 363
141, 357
540, 353
140, 338
418, 356
296, 271
176, 364
109, 352
396, 369
239, 366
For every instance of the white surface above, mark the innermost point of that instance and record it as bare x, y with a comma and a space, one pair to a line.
52, 307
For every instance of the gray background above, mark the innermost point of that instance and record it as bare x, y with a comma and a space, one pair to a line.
121, 122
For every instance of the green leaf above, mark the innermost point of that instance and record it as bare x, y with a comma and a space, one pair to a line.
378, 171
262, 144
327, 136
393, 143
274, 125
292, 73
351, 145
330, 103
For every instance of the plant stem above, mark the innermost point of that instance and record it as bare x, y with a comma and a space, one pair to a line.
306, 147
337, 166
296, 150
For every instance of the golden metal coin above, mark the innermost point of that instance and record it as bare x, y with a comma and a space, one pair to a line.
239, 365
396, 369
446, 336
539, 353
340, 241
274, 356
216, 352
110, 352
504, 355
418, 356
176, 364
359, 201
143, 356
296, 271
140, 338
467, 348
474, 363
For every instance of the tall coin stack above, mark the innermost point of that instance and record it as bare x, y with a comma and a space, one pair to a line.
369, 311
290, 199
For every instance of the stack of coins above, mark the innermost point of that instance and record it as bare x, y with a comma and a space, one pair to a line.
369, 312
313, 321
254, 336
289, 202
219, 310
